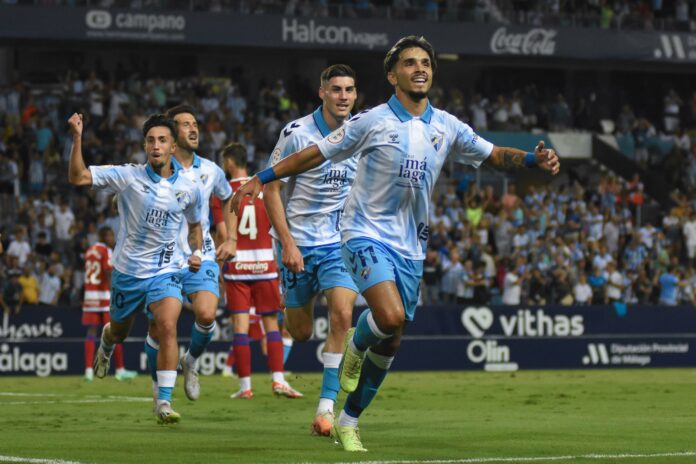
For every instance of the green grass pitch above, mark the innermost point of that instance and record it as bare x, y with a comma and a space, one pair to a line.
593, 416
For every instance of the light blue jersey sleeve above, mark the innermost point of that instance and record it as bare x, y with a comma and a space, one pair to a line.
221, 188
468, 147
192, 212
112, 179
351, 138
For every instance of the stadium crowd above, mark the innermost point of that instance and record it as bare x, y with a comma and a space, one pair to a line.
567, 243
626, 14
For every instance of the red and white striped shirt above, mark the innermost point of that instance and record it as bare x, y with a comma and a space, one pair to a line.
255, 258
97, 279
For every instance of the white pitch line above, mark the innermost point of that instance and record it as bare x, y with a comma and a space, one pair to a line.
36, 460
531, 458
28, 394
102, 400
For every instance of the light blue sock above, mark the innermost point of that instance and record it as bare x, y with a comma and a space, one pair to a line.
330, 383
165, 384
367, 333
151, 350
374, 371
287, 348
200, 337
164, 393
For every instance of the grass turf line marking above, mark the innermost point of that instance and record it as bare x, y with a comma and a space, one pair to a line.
530, 459
96, 400
28, 394
36, 460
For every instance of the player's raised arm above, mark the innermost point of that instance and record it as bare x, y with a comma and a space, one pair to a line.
512, 158
78, 173
297, 163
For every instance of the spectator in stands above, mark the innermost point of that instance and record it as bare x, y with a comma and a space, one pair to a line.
50, 285
582, 292
512, 290
451, 276
598, 283
689, 231
30, 286
669, 285
538, 288
615, 283
19, 246
432, 277
11, 298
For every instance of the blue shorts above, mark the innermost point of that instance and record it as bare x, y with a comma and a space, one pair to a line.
130, 294
371, 262
206, 279
324, 269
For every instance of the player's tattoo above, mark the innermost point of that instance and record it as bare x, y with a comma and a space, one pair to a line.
508, 159
194, 238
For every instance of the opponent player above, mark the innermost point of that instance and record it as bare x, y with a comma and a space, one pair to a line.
252, 280
154, 201
95, 305
307, 229
384, 230
201, 287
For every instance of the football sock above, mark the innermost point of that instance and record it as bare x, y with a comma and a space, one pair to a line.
90, 343
374, 371
200, 337
346, 420
330, 383
151, 350
287, 347
106, 347
118, 356
367, 333
165, 384
274, 344
242, 354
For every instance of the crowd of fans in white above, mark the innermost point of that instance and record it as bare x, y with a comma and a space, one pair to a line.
533, 245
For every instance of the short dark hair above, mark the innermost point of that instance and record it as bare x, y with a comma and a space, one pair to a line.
180, 109
103, 230
336, 70
157, 120
237, 152
409, 41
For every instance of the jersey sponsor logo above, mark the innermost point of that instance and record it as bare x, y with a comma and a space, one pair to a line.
251, 267
157, 217
393, 137
336, 178
275, 156
337, 136
414, 171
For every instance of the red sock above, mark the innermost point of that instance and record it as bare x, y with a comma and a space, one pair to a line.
118, 356
230, 357
89, 352
274, 344
242, 354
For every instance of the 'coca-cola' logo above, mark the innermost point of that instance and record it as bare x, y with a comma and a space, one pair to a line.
537, 41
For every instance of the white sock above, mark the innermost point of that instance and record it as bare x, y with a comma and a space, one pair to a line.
287, 341
189, 358
344, 420
89, 372
325, 405
279, 377
120, 370
331, 360
227, 369
245, 383
166, 378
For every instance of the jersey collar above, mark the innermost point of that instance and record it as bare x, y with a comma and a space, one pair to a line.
319, 120
196, 160
156, 178
404, 115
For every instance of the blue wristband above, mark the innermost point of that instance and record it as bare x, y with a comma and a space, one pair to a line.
530, 160
266, 176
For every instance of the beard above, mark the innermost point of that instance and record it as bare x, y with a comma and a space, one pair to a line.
417, 96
